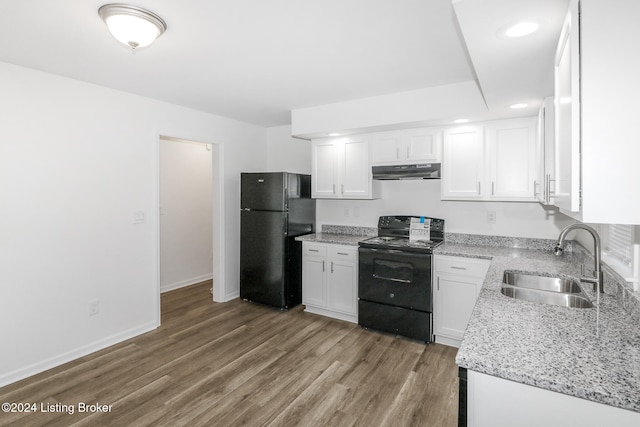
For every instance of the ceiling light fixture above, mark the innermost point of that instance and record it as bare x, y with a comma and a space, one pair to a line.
131, 25
522, 29
458, 121
518, 106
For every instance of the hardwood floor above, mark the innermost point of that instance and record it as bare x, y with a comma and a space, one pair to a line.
239, 363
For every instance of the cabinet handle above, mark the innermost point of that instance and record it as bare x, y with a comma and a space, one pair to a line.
341, 188
438, 283
458, 268
397, 153
334, 189
535, 184
331, 267
313, 250
323, 266
342, 253
479, 190
493, 185
549, 192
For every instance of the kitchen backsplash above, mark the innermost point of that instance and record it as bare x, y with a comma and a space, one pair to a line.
504, 241
347, 229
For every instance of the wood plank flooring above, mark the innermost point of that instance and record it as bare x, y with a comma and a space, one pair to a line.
239, 363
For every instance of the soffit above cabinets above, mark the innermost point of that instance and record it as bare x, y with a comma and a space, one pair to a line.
505, 71
512, 70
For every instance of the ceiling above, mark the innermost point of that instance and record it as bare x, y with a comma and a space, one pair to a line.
257, 60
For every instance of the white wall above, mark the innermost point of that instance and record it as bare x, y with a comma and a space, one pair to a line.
76, 161
422, 197
285, 153
186, 225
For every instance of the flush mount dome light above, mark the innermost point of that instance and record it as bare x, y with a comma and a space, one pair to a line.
131, 25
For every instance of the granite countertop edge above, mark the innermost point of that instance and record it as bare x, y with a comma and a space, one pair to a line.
332, 238
587, 353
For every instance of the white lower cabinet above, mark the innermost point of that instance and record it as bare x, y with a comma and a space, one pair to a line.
330, 280
496, 402
457, 283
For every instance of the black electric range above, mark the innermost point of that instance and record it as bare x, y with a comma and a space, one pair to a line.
394, 233
395, 292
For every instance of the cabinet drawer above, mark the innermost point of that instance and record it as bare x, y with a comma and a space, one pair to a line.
461, 266
349, 253
310, 249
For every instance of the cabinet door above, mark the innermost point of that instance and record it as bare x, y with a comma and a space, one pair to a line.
423, 145
343, 276
455, 298
545, 153
314, 289
385, 149
511, 159
462, 170
355, 177
567, 114
323, 169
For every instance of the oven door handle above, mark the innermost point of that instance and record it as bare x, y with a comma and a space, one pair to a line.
375, 276
383, 251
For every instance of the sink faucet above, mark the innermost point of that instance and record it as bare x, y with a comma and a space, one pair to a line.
597, 255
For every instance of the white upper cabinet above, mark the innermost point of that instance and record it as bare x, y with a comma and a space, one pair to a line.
406, 147
463, 163
493, 162
341, 169
596, 94
511, 159
567, 112
324, 173
545, 153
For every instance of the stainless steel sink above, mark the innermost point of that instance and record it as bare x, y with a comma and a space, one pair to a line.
545, 283
560, 291
547, 297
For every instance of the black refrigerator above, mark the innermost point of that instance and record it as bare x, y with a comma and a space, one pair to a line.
276, 207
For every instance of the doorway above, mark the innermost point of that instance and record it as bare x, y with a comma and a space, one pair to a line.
190, 219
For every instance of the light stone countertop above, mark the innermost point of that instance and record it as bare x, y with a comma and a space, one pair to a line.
588, 353
332, 238
340, 235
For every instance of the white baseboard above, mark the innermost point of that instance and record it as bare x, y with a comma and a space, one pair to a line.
36, 368
232, 295
186, 282
451, 342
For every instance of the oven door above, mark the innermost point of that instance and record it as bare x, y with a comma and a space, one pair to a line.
395, 277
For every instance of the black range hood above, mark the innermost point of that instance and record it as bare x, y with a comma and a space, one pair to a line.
415, 171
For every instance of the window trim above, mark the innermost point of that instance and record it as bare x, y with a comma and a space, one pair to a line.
620, 257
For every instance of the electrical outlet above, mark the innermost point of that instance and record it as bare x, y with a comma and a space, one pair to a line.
346, 212
491, 217
94, 307
139, 217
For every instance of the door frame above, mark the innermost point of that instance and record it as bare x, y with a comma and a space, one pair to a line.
217, 199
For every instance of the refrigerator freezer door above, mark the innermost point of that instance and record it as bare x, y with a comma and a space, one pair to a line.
263, 191
263, 257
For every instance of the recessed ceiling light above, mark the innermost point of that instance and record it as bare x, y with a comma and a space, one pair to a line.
522, 29
461, 121
518, 106
334, 134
